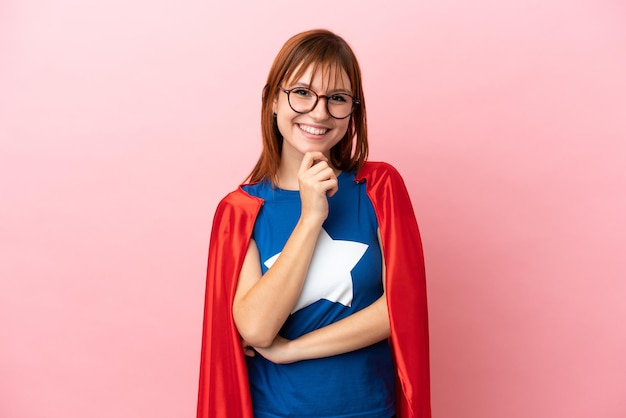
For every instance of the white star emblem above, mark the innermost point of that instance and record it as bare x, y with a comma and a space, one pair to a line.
329, 275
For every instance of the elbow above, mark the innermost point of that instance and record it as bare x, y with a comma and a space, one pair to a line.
254, 335
260, 343
258, 340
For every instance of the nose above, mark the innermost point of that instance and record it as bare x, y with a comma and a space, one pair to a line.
320, 111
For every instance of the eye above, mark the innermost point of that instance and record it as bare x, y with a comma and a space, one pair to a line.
302, 92
339, 98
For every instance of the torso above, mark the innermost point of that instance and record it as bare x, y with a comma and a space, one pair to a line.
345, 276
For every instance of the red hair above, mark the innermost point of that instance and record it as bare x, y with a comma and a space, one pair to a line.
323, 50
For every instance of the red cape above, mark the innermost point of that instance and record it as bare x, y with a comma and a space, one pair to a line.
224, 390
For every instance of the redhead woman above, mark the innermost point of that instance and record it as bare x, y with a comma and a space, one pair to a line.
316, 296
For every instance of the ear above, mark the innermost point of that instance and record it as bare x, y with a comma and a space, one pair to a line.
275, 103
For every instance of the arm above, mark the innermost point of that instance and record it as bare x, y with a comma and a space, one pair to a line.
361, 329
258, 312
364, 328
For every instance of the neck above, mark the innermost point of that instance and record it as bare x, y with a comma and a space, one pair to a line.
287, 176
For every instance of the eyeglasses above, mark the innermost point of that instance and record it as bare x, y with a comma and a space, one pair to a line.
303, 100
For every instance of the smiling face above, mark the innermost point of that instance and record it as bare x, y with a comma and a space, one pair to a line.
316, 130
300, 59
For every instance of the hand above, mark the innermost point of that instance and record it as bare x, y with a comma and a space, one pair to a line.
248, 350
277, 353
317, 182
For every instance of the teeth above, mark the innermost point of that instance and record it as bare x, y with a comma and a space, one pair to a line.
312, 130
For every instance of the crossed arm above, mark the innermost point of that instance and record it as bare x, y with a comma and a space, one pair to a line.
261, 322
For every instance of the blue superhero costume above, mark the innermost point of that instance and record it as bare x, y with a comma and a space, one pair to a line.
344, 276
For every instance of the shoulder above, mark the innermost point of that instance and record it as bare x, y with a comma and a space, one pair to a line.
383, 182
376, 171
238, 200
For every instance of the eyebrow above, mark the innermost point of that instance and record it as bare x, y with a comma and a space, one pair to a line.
308, 86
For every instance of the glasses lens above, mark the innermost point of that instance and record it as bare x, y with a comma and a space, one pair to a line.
302, 100
340, 105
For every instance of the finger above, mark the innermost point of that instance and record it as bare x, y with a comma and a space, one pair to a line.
310, 159
248, 350
321, 171
331, 186
332, 190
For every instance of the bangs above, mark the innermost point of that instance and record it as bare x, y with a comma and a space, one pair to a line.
329, 61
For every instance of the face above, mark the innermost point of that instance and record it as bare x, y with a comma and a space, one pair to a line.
315, 130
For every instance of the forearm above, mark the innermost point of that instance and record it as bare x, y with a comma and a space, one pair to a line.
364, 328
261, 310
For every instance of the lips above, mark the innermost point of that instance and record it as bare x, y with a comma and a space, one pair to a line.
313, 130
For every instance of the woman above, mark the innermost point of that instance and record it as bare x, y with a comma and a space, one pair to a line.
316, 299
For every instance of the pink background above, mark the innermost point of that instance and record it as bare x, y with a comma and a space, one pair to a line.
122, 123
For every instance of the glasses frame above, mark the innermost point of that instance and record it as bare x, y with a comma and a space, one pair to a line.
355, 101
